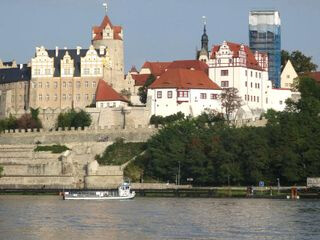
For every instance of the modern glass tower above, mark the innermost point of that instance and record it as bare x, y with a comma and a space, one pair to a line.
265, 36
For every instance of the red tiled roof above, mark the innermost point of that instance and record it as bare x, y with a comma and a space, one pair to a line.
106, 93
314, 75
190, 64
140, 79
184, 79
99, 30
235, 47
156, 68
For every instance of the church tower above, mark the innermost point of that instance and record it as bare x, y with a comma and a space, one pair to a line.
108, 39
203, 55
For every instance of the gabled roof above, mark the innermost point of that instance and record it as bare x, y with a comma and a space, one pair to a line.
98, 30
10, 75
189, 64
184, 79
140, 79
74, 56
156, 68
235, 47
106, 93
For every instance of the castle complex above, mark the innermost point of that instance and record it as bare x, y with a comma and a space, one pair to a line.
64, 78
56, 80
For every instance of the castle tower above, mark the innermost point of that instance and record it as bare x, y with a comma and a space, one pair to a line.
109, 38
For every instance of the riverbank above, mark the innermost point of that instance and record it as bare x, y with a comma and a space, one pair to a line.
192, 192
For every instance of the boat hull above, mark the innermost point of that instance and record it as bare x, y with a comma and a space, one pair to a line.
70, 197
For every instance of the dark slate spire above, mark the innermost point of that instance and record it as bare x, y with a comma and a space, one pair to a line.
205, 38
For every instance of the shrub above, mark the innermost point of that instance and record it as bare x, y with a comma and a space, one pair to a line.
159, 120
74, 119
53, 148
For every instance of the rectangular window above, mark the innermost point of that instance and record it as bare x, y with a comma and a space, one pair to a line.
159, 94
78, 84
183, 94
257, 98
203, 96
224, 72
55, 85
169, 94
56, 97
251, 84
86, 84
251, 73
224, 83
280, 102
254, 98
47, 97
64, 84
48, 71
36, 72
246, 84
40, 97
70, 84
64, 97
78, 97
67, 71
256, 75
86, 71
40, 84
87, 96
213, 96
259, 75
97, 71
47, 85
246, 73
94, 84
101, 105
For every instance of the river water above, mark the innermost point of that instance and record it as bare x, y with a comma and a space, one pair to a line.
48, 217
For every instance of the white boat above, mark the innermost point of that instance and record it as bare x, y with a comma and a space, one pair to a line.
124, 193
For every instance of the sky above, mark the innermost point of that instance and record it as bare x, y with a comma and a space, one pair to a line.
154, 30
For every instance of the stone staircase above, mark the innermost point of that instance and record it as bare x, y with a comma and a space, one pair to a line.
23, 167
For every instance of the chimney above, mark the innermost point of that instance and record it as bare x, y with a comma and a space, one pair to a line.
78, 50
102, 48
57, 51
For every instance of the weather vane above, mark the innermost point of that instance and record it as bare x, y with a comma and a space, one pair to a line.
105, 5
204, 20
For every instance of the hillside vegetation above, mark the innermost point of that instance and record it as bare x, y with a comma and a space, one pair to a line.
212, 152
120, 152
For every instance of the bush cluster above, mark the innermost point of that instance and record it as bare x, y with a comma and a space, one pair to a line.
159, 120
74, 119
26, 121
53, 149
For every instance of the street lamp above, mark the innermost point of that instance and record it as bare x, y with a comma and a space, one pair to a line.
278, 180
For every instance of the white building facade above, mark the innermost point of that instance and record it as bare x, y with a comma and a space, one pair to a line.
181, 90
233, 65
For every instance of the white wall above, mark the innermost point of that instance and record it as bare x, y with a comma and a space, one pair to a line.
191, 105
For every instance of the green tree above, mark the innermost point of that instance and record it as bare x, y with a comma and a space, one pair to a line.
1, 170
300, 62
230, 101
143, 91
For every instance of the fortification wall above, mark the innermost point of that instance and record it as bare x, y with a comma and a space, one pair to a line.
94, 134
